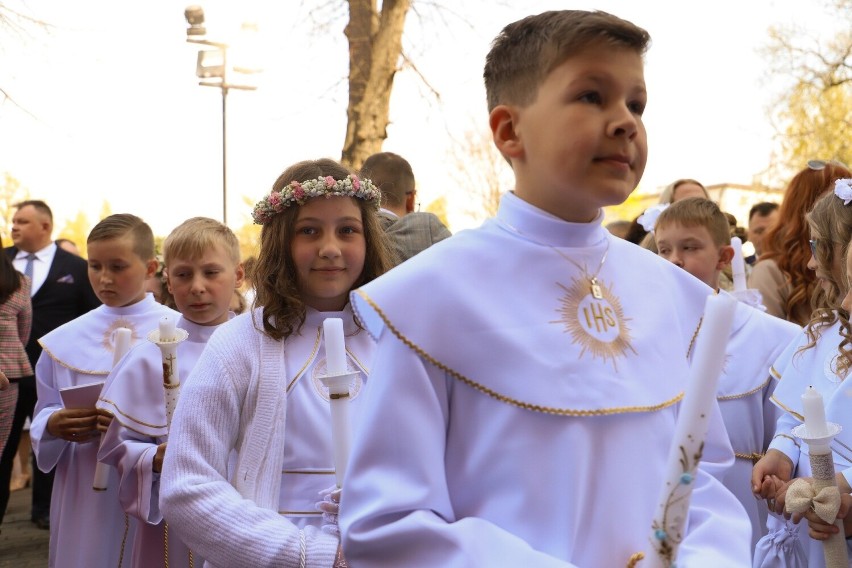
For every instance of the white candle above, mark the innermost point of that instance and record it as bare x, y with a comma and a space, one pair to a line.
669, 523
335, 350
121, 345
168, 329
814, 412
122, 339
738, 265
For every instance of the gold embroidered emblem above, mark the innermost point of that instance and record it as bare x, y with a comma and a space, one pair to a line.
108, 342
595, 320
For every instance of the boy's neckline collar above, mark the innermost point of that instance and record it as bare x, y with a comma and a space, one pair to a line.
537, 225
142, 306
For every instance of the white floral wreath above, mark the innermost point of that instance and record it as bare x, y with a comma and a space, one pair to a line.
843, 190
299, 192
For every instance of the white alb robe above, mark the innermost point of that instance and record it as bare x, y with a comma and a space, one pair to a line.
745, 388
87, 527
135, 396
506, 424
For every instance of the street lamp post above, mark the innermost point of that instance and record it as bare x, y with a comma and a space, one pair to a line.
218, 70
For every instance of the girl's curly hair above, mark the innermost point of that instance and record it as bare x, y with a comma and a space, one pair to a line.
830, 223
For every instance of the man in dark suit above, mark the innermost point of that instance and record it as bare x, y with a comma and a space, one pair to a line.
409, 231
60, 293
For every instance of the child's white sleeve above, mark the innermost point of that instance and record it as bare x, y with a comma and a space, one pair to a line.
132, 455
196, 497
46, 447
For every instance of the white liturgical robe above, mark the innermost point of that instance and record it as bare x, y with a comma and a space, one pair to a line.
745, 388
135, 396
515, 419
87, 527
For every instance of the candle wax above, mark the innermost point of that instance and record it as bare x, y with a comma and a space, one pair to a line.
335, 350
814, 413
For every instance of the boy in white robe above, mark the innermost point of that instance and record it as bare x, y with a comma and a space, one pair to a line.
522, 408
88, 528
202, 265
694, 235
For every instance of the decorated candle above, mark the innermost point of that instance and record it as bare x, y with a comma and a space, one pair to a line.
335, 350
738, 265
669, 524
814, 412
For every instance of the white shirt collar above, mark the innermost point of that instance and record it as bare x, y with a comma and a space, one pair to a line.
45, 253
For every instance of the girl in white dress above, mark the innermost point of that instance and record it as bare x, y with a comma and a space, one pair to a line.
820, 357
250, 444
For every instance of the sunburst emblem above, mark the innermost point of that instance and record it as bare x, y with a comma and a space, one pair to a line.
596, 325
108, 342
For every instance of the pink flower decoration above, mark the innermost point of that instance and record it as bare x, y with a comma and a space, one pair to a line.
329, 182
356, 183
298, 193
274, 198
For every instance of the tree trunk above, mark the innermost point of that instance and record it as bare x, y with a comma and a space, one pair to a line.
375, 46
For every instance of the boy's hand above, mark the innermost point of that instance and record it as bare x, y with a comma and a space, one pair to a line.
75, 425
770, 473
4, 381
157, 466
820, 530
104, 420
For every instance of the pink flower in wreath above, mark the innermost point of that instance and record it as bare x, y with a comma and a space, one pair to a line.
299, 192
329, 182
274, 198
356, 183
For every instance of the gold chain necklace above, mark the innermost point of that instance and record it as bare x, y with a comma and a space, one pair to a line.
594, 284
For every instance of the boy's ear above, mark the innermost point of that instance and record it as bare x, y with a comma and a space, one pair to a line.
502, 121
166, 282
151, 268
726, 254
241, 275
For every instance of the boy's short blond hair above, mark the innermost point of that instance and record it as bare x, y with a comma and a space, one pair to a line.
122, 224
194, 236
697, 212
526, 51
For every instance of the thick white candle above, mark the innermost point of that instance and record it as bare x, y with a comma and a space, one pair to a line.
814, 412
738, 265
121, 345
168, 329
699, 398
122, 339
335, 349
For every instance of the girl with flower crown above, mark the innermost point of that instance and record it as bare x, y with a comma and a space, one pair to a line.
250, 447
821, 357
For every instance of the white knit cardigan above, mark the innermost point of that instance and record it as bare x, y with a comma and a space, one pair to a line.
235, 399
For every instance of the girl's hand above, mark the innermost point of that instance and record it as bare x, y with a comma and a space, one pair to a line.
820, 530
330, 506
770, 473
4, 381
75, 425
